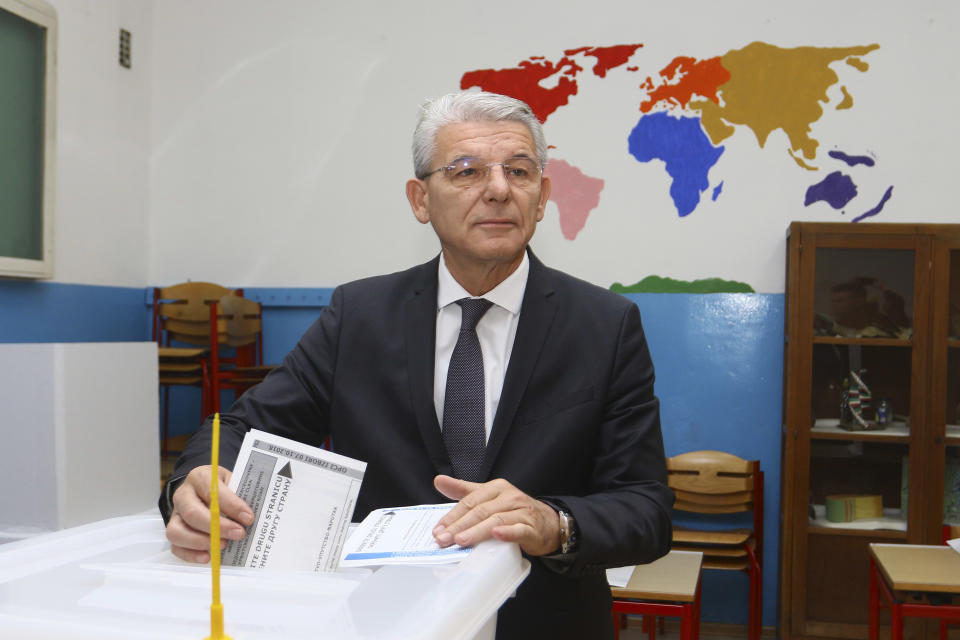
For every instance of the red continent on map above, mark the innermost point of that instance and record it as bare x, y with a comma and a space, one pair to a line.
523, 81
607, 57
686, 77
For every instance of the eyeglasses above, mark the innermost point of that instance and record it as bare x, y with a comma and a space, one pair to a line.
466, 172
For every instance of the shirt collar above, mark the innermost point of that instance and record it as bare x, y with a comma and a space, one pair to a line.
508, 294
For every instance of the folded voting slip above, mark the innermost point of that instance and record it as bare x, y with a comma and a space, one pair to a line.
400, 535
302, 499
619, 576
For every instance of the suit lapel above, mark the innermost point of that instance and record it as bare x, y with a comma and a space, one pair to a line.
420, 320
536, 317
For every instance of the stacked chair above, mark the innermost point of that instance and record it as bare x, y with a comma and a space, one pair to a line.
209, 337
715, 484
236, 322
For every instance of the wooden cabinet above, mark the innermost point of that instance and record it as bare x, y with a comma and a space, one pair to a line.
877, 304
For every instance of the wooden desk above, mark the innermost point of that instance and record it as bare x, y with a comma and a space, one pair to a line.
907, 567
669, 587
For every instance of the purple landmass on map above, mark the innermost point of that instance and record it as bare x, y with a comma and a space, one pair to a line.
716, 191
877, 209
852, 160
837, 189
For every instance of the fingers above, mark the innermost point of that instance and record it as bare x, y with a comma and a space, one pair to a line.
455, 490
496, 509
187, 543
189, 527
232, 505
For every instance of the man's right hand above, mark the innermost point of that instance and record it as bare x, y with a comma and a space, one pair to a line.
189, 527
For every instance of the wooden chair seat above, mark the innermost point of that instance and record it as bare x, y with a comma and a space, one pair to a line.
179, 353
179, 367
726, 564
715, 552
180, 380
707, 537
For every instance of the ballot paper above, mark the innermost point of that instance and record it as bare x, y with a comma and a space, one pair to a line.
955, 544
620, 576
402, 535
302, 499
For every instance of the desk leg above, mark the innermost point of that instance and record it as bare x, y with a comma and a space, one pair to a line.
874, 620
696, 609
896, 621
686, 623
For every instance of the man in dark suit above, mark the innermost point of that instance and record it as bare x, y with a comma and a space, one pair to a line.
570, 461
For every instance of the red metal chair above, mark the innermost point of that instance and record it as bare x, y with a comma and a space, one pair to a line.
181, 317
718, 483
236, 356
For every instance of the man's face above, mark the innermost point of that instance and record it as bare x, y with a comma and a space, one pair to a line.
487, 224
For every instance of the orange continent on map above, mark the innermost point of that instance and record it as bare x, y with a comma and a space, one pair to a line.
684, 78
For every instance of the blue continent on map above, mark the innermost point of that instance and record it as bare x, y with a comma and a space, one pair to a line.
683, 147
837, 189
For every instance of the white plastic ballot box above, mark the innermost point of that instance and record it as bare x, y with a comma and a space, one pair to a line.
117, 579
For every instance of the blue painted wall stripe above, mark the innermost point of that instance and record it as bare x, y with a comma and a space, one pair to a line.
279, 297
56, 312
718, 358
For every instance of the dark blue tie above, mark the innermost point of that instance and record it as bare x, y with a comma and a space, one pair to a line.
463, 405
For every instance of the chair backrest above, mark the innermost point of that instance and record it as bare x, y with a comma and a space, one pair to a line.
716, 482
238, 320
713, 482
181, 312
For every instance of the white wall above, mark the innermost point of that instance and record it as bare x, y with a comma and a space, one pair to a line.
281, 132
267, 144
103, 115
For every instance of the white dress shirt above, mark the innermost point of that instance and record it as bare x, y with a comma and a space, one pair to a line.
495, 331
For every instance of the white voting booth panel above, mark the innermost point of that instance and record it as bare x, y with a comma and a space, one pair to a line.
79, 431
118, 579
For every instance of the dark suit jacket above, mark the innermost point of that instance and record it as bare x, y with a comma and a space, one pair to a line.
577, 423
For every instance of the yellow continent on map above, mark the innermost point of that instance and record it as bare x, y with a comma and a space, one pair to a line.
775, 88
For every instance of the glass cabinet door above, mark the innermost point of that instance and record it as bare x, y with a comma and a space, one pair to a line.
951, 467
863, 302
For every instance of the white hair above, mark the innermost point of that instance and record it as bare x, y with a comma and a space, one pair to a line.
470, 106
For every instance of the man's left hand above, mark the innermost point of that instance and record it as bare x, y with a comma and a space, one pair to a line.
496, 509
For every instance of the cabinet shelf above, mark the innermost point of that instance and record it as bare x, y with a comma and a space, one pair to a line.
872, 534
827, 429
891, 523
953, 435
870, 342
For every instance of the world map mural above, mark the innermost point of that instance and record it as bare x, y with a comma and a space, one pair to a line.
687, 111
